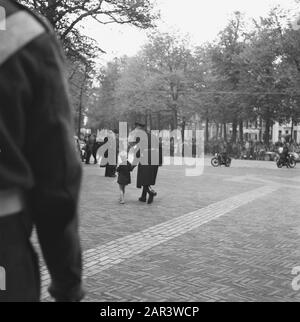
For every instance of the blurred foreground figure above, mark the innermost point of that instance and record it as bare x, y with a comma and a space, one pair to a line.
40, 173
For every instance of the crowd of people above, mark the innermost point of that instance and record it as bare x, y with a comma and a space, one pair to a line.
89, 146
251, 150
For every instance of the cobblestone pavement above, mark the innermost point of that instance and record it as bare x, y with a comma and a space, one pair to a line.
232, 234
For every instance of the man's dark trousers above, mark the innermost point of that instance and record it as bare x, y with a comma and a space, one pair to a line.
19, 260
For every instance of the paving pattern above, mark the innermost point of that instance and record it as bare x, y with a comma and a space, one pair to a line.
238, 244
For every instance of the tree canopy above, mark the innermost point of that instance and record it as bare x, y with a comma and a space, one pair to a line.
66, 16
246, 74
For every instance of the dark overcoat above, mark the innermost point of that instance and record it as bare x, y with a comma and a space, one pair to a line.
124, 177
37, 152
147, 173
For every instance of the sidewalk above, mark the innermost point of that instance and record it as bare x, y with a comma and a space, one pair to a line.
228, 235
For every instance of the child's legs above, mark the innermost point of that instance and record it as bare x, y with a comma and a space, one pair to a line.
122, 191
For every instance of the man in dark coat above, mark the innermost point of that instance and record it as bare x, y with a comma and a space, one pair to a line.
91, 149
147, 172
40, 172
285, 153
111, 169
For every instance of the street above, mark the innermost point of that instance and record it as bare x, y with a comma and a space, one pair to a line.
232, 234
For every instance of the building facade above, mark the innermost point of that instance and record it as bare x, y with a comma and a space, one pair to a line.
283, 130
256, 131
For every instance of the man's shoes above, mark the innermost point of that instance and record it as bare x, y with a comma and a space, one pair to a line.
151, 198
152, 191
143, 199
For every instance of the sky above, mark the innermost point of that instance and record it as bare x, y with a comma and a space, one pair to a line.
201, 19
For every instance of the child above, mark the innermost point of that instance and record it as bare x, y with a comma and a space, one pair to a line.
124, 177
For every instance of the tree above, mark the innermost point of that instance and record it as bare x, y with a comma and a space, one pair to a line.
105, 112
157, 79
245, 75
137, 91
263, 72
227, 70
205, 85
289, 68
67, 15
80, 77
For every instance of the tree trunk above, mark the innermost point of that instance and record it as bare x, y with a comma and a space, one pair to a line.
146, 119
267, 133
241, 128
234, 131
225, 131
80, 116
158, 121
175, 123
207, 130
80, 110
51, 12
151, 121
260, 129
217, 132
183, 134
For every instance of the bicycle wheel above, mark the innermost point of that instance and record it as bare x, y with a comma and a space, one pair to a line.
215, 162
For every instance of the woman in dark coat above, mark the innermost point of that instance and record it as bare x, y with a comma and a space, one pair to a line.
111, 169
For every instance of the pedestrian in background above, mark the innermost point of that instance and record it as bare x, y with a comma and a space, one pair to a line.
90, 149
